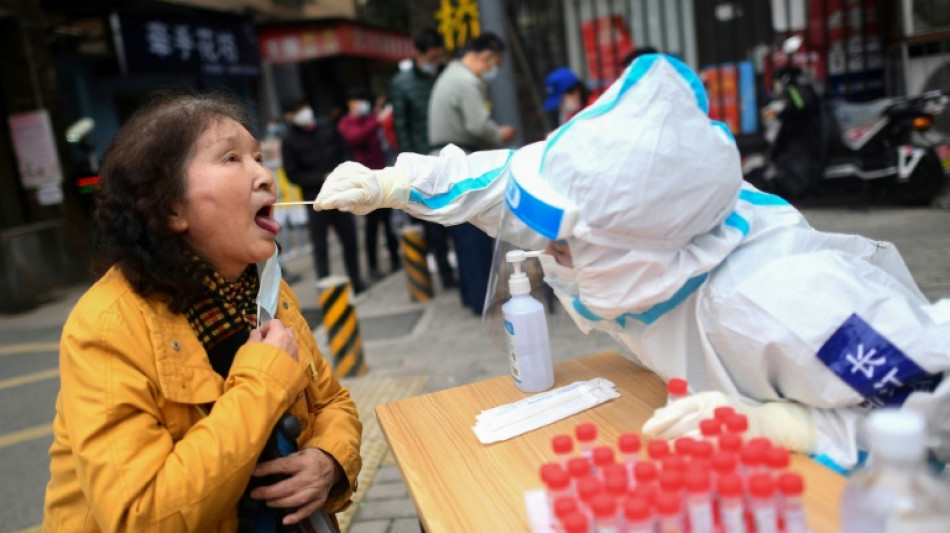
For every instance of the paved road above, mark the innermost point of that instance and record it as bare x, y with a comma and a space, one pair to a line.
29, 377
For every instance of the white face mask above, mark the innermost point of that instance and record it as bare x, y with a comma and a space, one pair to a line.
564, 282
426, 68
362, 107
490, 74
304, 118
570, 104
269, 290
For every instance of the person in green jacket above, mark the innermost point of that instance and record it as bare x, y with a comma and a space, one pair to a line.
409, 94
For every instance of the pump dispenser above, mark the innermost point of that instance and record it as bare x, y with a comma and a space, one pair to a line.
526, 330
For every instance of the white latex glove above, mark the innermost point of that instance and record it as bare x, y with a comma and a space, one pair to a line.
786, 424
353, 187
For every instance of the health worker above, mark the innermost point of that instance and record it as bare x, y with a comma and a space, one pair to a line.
652, 235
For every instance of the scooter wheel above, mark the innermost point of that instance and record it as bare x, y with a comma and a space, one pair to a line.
923, 184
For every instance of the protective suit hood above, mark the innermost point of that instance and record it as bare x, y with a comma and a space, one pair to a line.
647, 185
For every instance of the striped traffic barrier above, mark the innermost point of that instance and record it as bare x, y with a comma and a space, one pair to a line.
417, 268
342, 326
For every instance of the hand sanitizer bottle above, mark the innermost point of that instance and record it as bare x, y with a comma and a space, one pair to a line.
527, 331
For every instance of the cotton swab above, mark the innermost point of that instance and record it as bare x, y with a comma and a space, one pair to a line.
289, 204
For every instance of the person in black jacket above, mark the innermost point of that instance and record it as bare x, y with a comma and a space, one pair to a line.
311, 148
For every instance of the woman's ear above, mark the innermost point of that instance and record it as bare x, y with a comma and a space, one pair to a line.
176, 221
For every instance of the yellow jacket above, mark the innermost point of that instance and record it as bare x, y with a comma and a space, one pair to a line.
133, 452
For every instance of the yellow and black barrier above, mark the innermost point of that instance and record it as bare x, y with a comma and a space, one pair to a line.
342, 327
417, 268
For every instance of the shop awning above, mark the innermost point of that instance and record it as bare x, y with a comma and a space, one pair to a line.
303, 42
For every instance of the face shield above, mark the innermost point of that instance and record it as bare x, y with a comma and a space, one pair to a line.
535, 219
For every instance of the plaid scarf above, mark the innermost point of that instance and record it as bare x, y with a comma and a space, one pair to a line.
227, 308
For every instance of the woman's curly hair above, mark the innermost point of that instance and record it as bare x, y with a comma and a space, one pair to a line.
142, 179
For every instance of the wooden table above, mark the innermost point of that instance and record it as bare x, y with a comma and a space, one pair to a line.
459, 484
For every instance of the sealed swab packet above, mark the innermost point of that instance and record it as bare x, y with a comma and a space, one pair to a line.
513, 419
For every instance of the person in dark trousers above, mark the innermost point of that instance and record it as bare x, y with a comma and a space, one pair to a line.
312, 148
409, 94
362, 132
459, 115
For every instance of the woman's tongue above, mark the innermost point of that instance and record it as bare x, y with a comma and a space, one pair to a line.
267, 223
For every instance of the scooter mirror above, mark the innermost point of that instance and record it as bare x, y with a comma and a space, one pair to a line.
792, 44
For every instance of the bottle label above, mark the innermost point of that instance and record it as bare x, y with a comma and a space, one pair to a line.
512, 351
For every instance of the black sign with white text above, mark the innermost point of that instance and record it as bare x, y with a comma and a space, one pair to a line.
218, 45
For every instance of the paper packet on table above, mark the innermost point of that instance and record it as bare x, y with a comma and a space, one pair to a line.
513, 419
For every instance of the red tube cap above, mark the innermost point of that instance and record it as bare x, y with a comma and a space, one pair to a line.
562, 444
586, 432
677, 387
629, 443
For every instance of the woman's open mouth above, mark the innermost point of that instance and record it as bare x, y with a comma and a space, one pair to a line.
265, 220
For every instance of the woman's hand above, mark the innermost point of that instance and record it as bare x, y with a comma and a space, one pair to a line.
274, 332
312, 471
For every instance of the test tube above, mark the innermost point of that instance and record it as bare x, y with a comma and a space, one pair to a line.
759, 442
646, 493
563, 446
639, 515
710, 429
752, 460
676, 389
730, 443
606, 518
671, 482
657, 449
586, 434
729, 487
723, 413
723, 463
556, 480
699, 504
629, 444
737, 423
616, 480
762, 503
673, 463
703, 450
563, 506
683, 446
576, 522
777, 459
791, 486
645, 473
578, 468
669, 507
603, 457
587, 487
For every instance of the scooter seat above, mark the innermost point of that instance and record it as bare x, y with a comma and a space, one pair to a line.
849, 115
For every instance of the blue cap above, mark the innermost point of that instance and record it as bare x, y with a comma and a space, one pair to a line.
556, 84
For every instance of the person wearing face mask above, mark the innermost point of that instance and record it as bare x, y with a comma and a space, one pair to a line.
176, 365
459, 116
310, 149
362, 132
409, 94
566, 94
653, 237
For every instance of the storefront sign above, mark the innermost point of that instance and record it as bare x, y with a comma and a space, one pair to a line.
35, 146
303, 43
220, 45
459, 22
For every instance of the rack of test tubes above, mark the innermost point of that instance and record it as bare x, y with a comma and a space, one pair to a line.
722, 482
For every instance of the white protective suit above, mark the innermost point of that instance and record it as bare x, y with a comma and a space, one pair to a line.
702, 276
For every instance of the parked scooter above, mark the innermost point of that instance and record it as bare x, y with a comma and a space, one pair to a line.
813, 144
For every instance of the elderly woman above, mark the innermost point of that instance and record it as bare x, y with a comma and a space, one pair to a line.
170, 390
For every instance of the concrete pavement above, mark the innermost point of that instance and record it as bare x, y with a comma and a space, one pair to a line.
439, 342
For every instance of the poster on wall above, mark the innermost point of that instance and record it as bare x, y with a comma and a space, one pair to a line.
35, 147
606, 42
